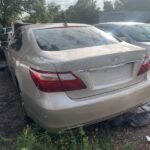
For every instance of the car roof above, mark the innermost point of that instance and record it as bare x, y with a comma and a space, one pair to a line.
121, 23
54, 25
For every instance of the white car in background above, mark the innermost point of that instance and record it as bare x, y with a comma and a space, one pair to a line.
132, 32
70, 75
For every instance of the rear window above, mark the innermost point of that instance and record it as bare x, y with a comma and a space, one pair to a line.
57, 39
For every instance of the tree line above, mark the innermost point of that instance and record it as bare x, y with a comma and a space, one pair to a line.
127, 5
84, 11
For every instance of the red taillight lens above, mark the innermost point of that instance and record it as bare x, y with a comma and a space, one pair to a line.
145, 66
56, 82
46, 81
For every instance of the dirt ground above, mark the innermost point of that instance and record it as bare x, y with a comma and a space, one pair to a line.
12, 123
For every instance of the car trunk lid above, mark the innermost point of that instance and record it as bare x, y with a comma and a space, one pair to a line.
102, 68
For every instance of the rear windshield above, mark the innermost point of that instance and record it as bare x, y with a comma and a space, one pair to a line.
57, 39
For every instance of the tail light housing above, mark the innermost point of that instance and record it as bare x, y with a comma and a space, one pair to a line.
145, 66
56, 82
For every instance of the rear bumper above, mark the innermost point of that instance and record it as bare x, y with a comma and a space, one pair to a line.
58, 112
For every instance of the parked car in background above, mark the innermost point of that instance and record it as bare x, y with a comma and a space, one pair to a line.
71, 75
132, 32
5, 35
4, 31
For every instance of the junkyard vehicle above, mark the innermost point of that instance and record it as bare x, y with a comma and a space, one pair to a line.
3, 63
4, 31
5, 34
132, 32
71, 75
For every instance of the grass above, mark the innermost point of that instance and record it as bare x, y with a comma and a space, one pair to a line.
94, 138
129, 146
4, 143
35, 138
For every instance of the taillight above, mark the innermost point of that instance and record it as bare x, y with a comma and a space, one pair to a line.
145, 66
56, 82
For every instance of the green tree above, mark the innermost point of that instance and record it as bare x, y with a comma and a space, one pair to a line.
108, 5
119, 5
9, 11
54, 11
37, 11
60, 17
132, 5
40, 11
84, 11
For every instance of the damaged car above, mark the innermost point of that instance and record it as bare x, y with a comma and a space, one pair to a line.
70, 75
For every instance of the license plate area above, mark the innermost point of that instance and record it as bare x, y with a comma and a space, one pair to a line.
111, 76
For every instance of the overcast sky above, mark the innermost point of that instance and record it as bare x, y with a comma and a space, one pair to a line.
66, 3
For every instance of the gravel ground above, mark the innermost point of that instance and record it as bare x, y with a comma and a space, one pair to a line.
12, 123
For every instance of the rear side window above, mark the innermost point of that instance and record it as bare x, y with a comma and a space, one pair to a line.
57, 39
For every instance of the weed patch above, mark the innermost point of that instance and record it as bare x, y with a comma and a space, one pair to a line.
36, 138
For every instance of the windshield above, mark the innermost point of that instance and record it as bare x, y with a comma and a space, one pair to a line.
139, 33
71, 38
